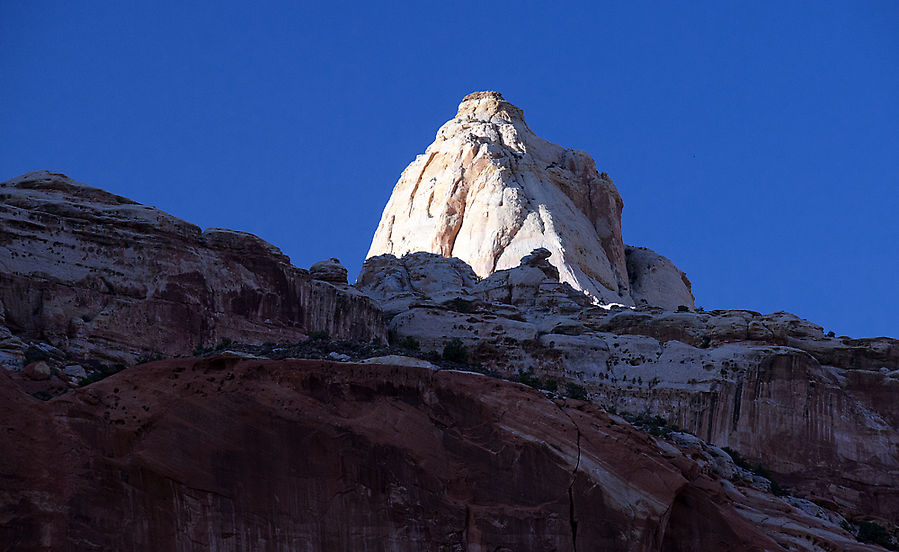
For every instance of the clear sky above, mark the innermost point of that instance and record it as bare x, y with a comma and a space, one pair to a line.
756, 145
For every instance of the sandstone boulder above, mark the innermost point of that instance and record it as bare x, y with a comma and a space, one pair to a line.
416, 278
37, 371
329, 271
655, 281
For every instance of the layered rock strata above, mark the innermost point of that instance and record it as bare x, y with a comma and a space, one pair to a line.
488, 191
818, 411
223, 454
98, 277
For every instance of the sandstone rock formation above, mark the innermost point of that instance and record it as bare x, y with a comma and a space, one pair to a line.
655, 281
106, 280
760, 384
489, 191
225, 454
329, 271
399, 446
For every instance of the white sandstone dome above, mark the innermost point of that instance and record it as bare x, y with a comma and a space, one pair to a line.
489, 191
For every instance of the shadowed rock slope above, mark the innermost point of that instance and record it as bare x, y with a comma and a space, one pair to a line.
223, 454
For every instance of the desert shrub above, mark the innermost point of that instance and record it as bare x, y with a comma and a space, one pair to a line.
776, 488
33, 354
874, 533
683, 308
454, 351
528, 378
223, 344
460, 305
319, 336
575, 391
409, 343
705, 342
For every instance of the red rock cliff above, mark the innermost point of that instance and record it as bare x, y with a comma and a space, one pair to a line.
221, 454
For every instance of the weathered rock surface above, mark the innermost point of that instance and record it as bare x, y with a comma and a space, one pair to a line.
820, 412
655, 281
489, 191
329, 271
107, 280
229, 454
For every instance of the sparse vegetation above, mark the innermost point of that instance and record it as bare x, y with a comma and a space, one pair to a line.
33, 354
455, 351
758, 469
409, 343
528, 378
683, 308
652, 424
576, 391
460, 305
872, 532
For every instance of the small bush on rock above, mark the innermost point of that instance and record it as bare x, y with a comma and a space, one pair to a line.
409, 343
873, 533
33, 354
460, 305
575, 391
454, 351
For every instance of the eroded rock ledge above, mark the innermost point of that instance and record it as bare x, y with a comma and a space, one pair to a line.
101, 278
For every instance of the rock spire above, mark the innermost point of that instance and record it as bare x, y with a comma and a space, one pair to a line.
489, 191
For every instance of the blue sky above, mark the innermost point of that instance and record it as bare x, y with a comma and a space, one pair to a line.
756, 145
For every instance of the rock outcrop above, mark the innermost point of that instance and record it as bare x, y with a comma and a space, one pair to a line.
224, 454
103, 279
760, 384
329, 271
489, 191
655, 281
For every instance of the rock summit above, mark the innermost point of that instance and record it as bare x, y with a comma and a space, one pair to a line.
490, 191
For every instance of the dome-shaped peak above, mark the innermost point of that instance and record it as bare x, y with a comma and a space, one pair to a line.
483, 106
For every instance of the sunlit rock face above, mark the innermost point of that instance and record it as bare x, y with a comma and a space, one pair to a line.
489, 191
